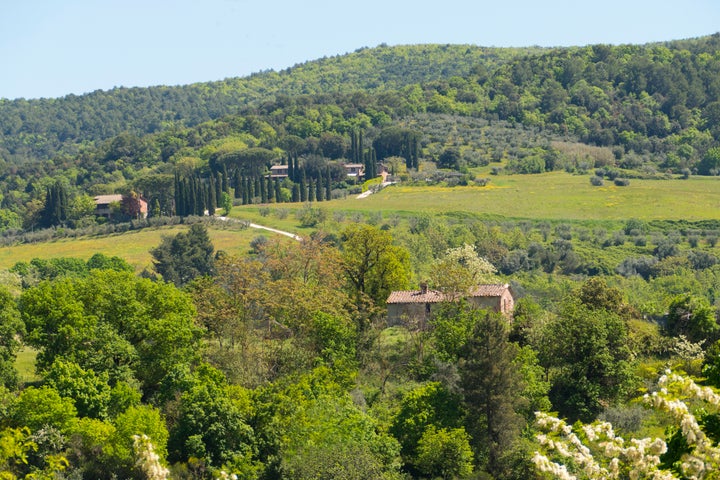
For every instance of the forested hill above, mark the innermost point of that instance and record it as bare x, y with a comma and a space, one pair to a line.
32, 129
649, 109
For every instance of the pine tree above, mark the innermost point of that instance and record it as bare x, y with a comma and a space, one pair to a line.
492, 387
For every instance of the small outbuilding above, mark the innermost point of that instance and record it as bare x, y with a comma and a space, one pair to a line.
417, 305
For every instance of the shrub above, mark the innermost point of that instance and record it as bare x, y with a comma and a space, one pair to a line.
621, 182
596, 181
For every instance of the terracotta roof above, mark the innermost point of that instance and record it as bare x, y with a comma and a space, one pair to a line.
495, 290
433, 296
107, 199
416, 296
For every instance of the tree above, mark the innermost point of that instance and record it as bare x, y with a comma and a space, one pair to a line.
444, 453
492, 389
374, 266
11, 329
36, 408
211, 424
89, 391
130, 205
430, 406
185, 256
132, 328
693, 317
588, 353
460, 270
55, 211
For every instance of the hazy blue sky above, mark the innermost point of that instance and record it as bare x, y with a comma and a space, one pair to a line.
50, 48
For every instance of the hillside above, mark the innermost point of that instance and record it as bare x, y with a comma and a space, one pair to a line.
637, 111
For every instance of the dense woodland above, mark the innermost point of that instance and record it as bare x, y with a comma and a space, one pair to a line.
280, 363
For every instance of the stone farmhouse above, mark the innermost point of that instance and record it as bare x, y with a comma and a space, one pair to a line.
103, 205
417, 305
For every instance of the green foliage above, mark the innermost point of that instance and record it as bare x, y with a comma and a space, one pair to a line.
589, 353
111, 322
445, 453
492, 390
140, 420
430, 406
693, 317
11, 329
36, 408
211, 425
373, 264
89, 391
185, 256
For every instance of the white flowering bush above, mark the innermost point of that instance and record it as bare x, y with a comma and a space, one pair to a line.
595, 452
147, 460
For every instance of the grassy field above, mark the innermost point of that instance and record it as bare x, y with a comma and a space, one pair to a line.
134, 246
551, 196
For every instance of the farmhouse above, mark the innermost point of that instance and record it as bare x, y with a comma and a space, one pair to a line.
279, 171
103, 205
417, 305
355, 170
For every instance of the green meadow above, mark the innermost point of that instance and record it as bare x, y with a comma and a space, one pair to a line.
556, 196
132, 246
548, 196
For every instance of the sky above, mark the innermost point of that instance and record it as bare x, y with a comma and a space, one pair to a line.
52, 48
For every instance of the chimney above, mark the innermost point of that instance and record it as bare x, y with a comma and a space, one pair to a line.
423, 288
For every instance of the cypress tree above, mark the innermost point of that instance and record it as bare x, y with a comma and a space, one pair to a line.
328, 184
56, 205
295, 193
291, 170
155, 210
212, 195
311, 191
303, 189
245, 190
191, 198
225, 186
320, 191
263, 191
239, 185
257, 187
251, 190
219, 188
270, 190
